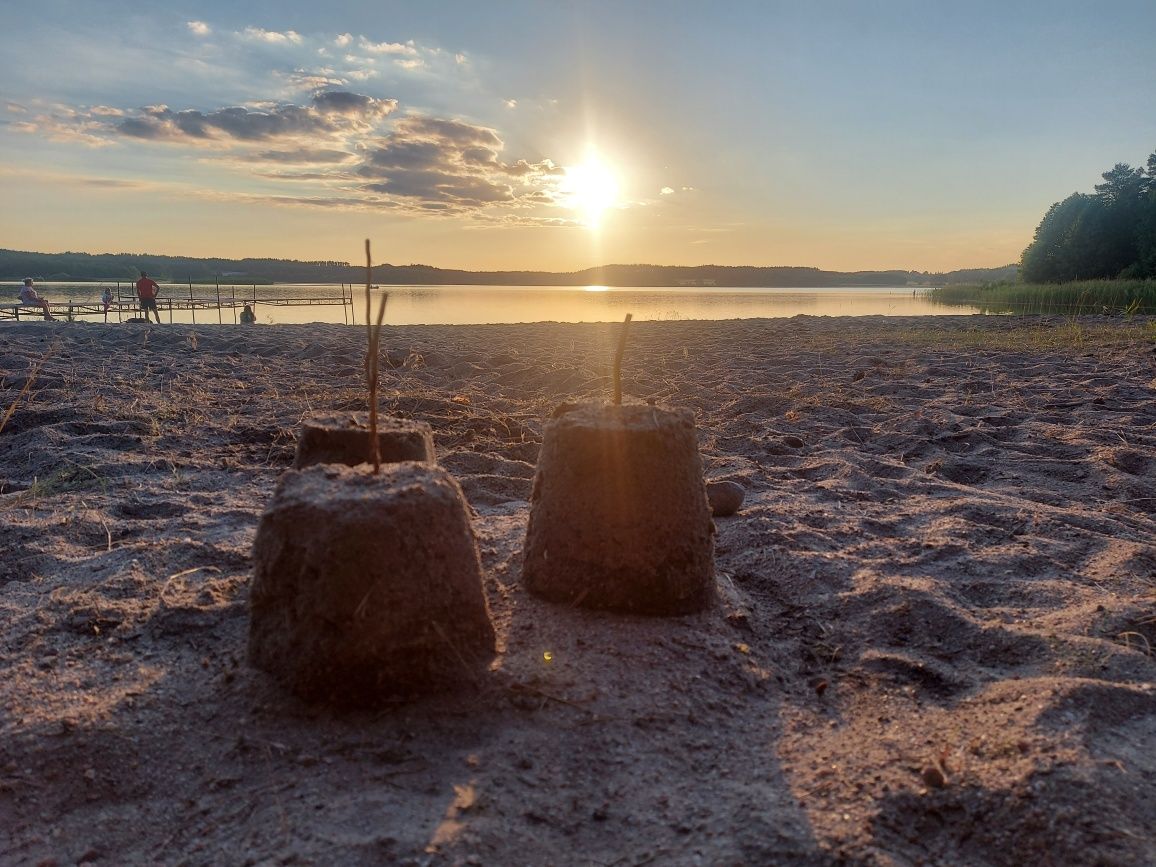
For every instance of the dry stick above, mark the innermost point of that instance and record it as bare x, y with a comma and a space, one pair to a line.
373, 331
618, 362
368, 307
375, 449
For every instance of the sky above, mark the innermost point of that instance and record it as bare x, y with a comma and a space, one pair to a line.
552, 135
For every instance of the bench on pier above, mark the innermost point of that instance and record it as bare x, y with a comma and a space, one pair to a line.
16, 310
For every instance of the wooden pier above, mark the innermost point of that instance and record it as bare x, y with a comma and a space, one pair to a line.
125, 304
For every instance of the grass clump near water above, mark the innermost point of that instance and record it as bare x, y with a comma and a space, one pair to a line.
1078, 298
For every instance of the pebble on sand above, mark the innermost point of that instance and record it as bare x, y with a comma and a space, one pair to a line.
725, 498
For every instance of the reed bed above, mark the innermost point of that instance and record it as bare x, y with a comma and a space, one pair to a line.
1078, 298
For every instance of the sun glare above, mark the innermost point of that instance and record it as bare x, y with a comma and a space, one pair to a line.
590, 189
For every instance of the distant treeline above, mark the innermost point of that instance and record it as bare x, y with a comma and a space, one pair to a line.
1107, 234
58, 267
17, 264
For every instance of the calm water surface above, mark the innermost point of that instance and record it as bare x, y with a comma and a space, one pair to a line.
470, 305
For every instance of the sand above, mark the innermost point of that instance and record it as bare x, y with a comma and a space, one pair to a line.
934, 644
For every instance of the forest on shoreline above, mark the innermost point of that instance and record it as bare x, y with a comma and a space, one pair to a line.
1106, 235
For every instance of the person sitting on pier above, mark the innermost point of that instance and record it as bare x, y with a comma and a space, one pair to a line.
29, 295
147, 290
248, 317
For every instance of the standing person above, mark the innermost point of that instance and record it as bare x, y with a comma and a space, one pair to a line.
106, 300
29, 295
147, 290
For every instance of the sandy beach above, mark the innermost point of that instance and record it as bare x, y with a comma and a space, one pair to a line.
934, 643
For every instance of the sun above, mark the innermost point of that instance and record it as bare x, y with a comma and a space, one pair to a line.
589, 188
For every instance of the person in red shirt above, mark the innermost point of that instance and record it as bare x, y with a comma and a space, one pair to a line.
147, 290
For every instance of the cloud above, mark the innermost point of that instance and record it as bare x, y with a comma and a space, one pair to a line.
510, 103
112, 183
343, 40
352, 104
301, 155
271, 37
444, 189
451, 166
666, 191
331, 114
67, 127
455, 132
407, 49
311, 80
198, 28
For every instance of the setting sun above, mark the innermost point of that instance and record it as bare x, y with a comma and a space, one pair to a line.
590, 188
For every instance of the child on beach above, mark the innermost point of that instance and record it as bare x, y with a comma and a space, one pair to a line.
29, 295
248, 317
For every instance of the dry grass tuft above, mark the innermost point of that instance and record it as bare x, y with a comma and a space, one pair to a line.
28, 384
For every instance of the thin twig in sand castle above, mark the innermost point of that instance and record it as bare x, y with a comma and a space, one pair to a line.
367, 582
618, 515
345, 438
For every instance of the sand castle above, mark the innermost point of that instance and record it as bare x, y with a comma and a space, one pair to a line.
367, 586
618, 515
367, 582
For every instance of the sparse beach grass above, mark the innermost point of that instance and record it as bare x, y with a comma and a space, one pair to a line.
1052, 333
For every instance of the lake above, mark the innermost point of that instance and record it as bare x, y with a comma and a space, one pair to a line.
471, 305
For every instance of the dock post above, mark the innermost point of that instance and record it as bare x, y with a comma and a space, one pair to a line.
220, 319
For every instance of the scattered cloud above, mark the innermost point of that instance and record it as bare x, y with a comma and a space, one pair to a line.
666, 191
400, 48
66, 128
326, 127
310, 80
271, 37
112, 183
